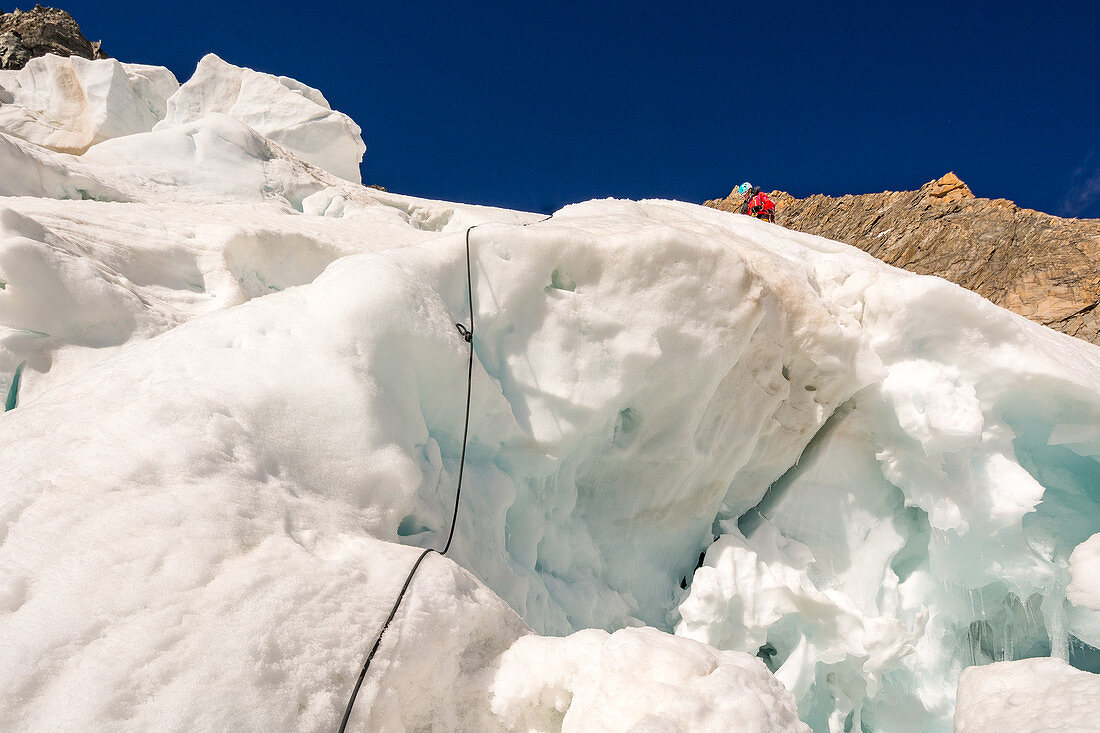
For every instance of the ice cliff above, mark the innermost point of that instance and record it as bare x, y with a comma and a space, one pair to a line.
720, 475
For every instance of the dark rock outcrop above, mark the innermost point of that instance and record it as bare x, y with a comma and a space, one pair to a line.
1043, 267
26, 35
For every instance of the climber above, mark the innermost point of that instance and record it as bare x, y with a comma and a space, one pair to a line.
756, 203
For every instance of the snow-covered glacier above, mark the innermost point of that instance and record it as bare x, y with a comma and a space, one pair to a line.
719, 475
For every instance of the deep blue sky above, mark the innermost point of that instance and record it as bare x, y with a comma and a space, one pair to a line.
536, 105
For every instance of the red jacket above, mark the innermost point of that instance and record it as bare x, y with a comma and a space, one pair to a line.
762, 207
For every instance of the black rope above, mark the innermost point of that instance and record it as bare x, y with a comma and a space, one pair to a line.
468, 337
378, 641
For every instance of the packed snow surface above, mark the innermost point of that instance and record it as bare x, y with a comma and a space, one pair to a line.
1028, 696
720, 475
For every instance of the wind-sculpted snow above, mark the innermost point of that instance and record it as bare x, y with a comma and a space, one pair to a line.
281, 109
70, 104
240, 412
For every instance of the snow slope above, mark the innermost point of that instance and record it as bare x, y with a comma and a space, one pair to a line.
702, 449
1026, 696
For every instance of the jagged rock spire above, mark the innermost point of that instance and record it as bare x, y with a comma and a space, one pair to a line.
27, 34
949, 188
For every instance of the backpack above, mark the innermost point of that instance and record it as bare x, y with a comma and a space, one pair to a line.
761, 206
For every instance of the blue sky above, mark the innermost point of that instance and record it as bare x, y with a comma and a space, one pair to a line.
536, 105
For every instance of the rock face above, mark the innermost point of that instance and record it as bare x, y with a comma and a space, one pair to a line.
1043, 267
26, 35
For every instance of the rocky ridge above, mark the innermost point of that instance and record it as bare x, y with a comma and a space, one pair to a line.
1043, 267
25, 35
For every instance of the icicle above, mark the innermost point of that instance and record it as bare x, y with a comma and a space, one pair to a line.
1054, 613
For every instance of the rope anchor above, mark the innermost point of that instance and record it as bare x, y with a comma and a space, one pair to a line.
467, 334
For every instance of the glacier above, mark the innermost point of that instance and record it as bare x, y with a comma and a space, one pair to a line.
719, 474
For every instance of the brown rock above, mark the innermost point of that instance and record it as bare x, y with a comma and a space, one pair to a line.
1043, 267
26, 35
950, 188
